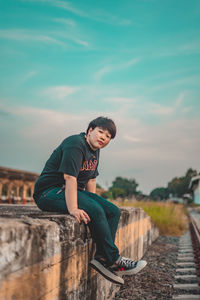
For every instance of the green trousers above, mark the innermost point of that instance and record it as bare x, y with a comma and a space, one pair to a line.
103, 214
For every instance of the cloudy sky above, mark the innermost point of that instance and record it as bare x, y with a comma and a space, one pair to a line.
63, 63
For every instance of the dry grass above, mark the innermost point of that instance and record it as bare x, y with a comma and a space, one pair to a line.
170, 218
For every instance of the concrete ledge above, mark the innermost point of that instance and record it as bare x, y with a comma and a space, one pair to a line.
46, 255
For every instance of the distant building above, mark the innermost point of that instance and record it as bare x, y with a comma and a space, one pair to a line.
194, 187
16, 186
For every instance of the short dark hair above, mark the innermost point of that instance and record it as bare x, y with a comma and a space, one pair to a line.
105, 123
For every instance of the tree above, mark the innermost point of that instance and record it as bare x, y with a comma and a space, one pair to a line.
128, 186
178, 186
117, 192
107, 195
98, 186
174, 186
159, 193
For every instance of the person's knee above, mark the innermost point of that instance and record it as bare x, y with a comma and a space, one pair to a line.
114, 211
97, 213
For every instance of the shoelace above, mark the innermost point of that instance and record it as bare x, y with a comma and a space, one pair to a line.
126, 262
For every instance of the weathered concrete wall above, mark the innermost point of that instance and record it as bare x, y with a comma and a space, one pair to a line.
45, 256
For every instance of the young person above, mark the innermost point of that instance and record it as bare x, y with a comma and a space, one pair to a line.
67, 184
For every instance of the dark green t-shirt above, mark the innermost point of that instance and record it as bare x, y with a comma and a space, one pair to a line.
73, 157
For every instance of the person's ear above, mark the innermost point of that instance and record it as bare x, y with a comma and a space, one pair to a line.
90, 130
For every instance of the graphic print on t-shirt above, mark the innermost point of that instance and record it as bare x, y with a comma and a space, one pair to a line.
89, 165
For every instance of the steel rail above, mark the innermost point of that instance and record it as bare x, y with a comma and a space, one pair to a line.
195, 236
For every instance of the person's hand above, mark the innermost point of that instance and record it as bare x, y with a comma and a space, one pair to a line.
80, 215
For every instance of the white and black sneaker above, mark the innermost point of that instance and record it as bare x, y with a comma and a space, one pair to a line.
107, 272
126, 266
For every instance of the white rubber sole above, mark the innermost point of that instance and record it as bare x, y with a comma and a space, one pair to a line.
140, 265
106, 273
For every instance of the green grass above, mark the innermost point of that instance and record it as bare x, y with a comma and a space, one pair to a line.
168, 217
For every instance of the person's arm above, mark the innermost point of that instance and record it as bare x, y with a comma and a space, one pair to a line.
91, 185
71, 199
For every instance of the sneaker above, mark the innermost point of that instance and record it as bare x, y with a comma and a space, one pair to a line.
105, 271
126, 266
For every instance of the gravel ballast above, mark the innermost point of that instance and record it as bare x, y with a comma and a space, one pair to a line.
156, 280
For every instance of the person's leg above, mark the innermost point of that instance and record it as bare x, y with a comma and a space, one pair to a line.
112, 214
99, 227
53, 200
123, 266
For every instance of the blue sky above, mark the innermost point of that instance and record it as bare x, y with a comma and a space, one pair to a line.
64, 63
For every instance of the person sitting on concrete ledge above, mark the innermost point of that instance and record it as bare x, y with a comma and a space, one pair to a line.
67, 184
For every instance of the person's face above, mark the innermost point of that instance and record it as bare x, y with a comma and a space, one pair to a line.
98, 138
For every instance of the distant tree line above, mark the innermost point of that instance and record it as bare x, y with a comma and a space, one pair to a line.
127, 188
178, 186
121, 188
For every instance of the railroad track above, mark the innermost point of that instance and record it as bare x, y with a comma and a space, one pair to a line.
187, 285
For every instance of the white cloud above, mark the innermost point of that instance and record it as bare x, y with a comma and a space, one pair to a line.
81, 42
187, 109
179, 100
67, 6
65, 21
23, 35
162, 110
96, 15
132, 139
73, 36
182, 49
129, 63
57, 37
28, 35
121, 100
49, 37
59, 92
99, 74
44, 123
190, 48
113, 68
157, 109
27, 76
